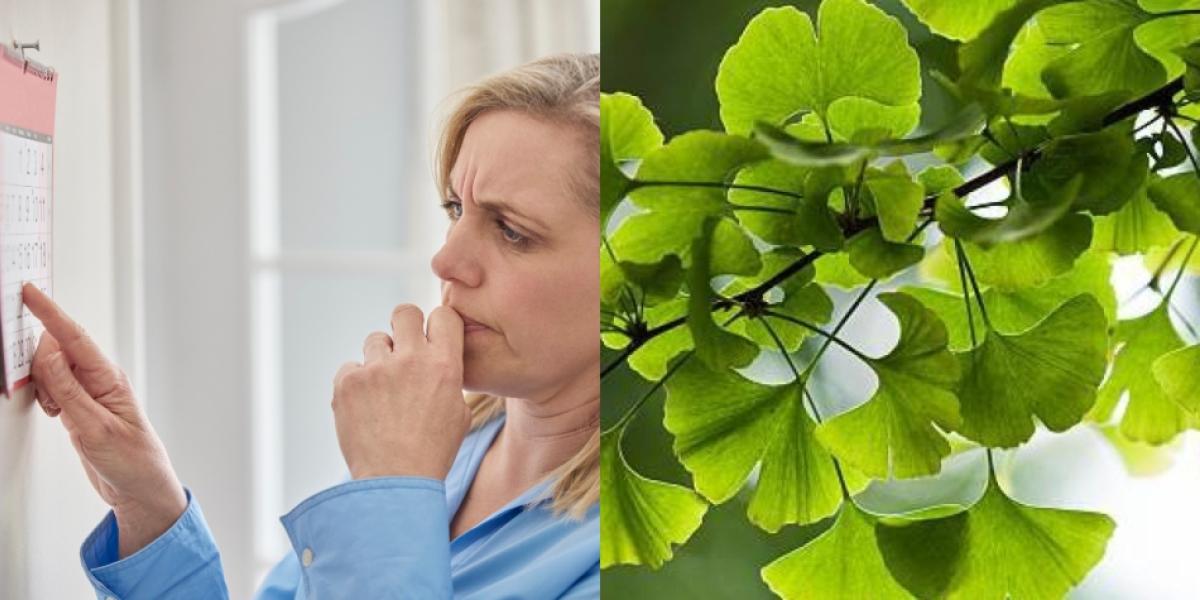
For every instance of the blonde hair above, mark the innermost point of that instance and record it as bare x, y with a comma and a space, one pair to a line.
564, 89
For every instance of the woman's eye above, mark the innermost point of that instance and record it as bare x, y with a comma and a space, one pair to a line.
510, 234
453, 209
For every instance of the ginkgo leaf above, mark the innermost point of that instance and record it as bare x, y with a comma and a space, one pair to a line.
894, 433
843, 562
878, 258
779, 68
960, 20
997, 549
1176, 196
1178, 373
1150, 416
1014, 311
1103, 55
716, 347
641, 518
896, 200
802, 300
649, 238
696, 156
653, 358
627, 131
652, 284
1137, 227
724, 424
813, 223
1050, 372
1034, 260
1031, 212
674, 214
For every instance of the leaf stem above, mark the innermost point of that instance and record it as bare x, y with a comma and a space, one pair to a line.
821, 332
966, 264
808, 371
637, 406
1183, 141
966, 293
837, 467
1182, 269
770, 209
637, 183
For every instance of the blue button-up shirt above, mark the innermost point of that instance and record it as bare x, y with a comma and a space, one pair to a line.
385, 537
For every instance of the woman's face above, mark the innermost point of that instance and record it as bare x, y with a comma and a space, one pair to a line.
521, 257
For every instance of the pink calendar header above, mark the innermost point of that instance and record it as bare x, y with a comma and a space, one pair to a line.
28, 89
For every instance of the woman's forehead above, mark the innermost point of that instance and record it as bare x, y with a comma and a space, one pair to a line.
512, 157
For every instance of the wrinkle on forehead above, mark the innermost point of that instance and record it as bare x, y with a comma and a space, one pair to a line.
519, 159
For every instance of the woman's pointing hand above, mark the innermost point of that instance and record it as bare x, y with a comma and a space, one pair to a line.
122, 455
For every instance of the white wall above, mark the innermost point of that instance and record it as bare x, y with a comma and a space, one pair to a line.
58, 507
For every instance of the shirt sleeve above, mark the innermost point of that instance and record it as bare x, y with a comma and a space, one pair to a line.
183, 562
384, 537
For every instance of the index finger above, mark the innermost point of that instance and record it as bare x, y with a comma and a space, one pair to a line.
75, 343
446, 330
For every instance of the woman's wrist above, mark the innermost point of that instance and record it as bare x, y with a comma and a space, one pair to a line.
140, 523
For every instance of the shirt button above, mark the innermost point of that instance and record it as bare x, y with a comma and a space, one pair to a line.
305, 557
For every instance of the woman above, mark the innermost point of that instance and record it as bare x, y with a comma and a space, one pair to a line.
495, 495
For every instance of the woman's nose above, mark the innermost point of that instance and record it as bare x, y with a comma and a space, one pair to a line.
456, 260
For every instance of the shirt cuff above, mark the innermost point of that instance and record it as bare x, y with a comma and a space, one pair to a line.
371, 537
183, 559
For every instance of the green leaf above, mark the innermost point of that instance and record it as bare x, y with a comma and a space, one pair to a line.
641, 518
1150, 416
1110, 165
779, 68
788, 146
1103, 54
843, 562
652, 360
650, 284
939, 178
835, 270
1050, 372
1034, 260
1179, 197
897, 200
982, 59
893, 433
1178, 374
878, 258
812, 225
725, 424
1037, 208
716, 347
1135, 228
998, 549
796, 151
1014, 311
647, 238
627, 131
959, 20
802, 300
695, 156
675, 213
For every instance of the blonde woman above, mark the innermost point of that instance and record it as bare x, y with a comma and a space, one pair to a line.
491, 495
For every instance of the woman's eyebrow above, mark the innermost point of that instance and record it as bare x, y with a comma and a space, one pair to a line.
503, 208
